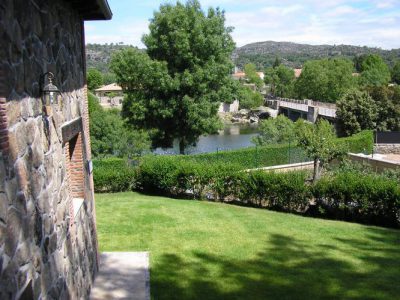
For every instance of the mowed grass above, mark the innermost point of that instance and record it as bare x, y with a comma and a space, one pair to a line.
204, 250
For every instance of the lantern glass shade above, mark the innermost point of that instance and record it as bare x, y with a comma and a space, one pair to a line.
50, 91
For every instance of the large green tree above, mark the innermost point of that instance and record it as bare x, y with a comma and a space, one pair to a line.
356, 111
374, 71
281, 80
94, 79
174, 89
325, 80
396, 72
252, 75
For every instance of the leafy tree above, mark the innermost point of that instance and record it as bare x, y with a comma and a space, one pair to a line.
277, 62
109, 78
275, 131
248, 98
396, 72
374, 71
356, 111
271, 79
325, 80
252, 76
110, 136
94, 79
174, 89
285, 85
281, 80
358, 60
318, 141
387, 100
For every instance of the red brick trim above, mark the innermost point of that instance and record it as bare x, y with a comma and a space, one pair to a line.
4, 145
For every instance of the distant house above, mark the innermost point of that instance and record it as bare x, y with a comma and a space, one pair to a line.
242, 75
110, 96
297, 72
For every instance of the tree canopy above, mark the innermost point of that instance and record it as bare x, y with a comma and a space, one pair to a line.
252, 75
174, 89
281, 80
396, 72
280, 130
374, 71
325, 80
110, 136
356, 111
94, 79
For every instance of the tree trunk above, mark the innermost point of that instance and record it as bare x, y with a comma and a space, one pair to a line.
182, 146
317, 170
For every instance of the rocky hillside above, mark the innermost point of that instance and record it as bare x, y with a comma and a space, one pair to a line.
263, 54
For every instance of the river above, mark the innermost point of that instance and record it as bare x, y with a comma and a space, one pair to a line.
233, 136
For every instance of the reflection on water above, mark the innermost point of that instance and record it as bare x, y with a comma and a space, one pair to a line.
233, 136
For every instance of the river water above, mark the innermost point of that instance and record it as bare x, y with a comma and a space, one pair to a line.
233, 136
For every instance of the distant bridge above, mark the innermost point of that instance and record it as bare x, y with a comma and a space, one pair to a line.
307, 109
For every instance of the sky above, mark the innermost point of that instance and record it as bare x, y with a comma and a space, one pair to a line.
374, 23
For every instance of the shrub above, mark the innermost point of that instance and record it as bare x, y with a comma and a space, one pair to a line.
113, 175
362, 142
370, 198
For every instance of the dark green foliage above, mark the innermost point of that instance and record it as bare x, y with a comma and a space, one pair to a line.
374, 71
356, 111
94, 79
369, 199
279, 130
248, 98
362, 142
396, 73
325, 80
113, 175
281, 81
376, 107
252, 75
110, 136
174, 89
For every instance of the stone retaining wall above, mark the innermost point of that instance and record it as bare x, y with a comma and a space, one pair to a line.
387, 148
46, 250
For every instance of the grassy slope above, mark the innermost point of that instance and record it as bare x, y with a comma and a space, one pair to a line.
202, 250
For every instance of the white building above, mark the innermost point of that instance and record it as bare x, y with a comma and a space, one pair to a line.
110, 96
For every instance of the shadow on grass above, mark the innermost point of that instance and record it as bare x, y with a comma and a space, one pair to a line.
286, 269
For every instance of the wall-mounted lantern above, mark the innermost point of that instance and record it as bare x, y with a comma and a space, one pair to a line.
50, 92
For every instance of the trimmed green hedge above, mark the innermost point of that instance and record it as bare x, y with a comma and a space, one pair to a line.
362, 142
272, 155
113, 175
354, 196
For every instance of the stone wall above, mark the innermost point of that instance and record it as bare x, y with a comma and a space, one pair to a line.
48, 248
387, 148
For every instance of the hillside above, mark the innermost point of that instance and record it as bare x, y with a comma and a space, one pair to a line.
263, 54
98, 55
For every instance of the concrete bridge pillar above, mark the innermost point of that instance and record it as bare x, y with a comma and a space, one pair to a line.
312, 114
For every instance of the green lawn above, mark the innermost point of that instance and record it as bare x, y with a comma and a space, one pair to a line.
203, 250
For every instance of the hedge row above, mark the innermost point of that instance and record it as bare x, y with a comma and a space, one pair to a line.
113, 175
370, 199
346, 195
272, 155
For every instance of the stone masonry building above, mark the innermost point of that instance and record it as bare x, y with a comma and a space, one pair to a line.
48, 244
